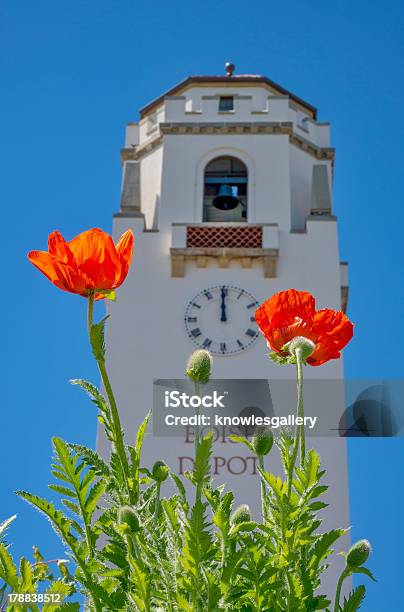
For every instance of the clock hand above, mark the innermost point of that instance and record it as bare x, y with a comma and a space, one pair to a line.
223, 294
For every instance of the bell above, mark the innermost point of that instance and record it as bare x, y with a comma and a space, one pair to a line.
225, 199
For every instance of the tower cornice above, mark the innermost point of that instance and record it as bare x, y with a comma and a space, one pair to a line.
227, 128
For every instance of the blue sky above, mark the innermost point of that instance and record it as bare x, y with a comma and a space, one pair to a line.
72, 75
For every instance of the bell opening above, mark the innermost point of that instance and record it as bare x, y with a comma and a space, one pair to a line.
225, 190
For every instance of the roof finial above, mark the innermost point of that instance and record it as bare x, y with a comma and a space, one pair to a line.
230, 68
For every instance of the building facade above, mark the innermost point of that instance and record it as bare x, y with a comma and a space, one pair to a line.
227, 188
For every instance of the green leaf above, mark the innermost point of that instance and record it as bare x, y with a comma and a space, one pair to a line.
93, 497
311, 466
60, 587
242, 440
317, 491
362, 570
8, 570
322, 547
281, 359
91, 458
135, 453
82, 490
242, 527
201, 471
96, 397
221, 518
97, 339
318, 505
26, 577
197, 540
62, 490
109, 294
73, 507
5, 524
58, 520
170, 510
355, 599
142, 581
140, 434
181, 489
275, 483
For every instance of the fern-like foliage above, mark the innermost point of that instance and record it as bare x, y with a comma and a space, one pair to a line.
31, 579
184, 551
353, 602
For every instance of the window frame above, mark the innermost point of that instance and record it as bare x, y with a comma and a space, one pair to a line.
225, 108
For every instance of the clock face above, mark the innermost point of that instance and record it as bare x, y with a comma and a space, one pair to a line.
221, 320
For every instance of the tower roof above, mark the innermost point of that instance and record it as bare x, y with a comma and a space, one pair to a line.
253, 79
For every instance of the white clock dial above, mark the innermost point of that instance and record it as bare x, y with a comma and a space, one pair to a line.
221, 320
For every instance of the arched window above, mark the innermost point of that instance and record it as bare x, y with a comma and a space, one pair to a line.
225, 190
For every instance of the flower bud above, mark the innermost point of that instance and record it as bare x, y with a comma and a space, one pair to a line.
358, 553
160, 471
128, 518
199, 366
62, 566
262, 441
300, 342
241, 514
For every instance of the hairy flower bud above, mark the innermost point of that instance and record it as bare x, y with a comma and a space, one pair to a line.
300, 342
262, 441
160, 471
241, 514
358, 553
199, 366
128, 518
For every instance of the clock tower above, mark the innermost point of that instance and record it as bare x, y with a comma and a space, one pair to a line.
227, 188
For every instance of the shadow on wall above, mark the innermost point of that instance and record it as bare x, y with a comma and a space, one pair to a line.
376, 412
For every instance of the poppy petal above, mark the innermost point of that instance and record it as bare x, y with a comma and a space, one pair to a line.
124, 248
59, 248
286, 315
324, 351
334, 325
58, 272
96, 257
279, 336
287, 306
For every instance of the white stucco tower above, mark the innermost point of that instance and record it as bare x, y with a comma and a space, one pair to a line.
262, 150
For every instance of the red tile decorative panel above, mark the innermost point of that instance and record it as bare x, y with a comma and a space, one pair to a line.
222, 236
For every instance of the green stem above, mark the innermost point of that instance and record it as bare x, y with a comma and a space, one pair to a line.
299, 430
97, 604
116, 422
338, 591
300, 404
198, 500
257, 591
197, 432
198, 495
291, 591
132, 546
90, 314
157, 509
263, 490
224, 550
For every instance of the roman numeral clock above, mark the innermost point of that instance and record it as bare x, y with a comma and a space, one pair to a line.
221, 319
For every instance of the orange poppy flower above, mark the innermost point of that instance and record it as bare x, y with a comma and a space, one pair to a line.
91, 262
292, 313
